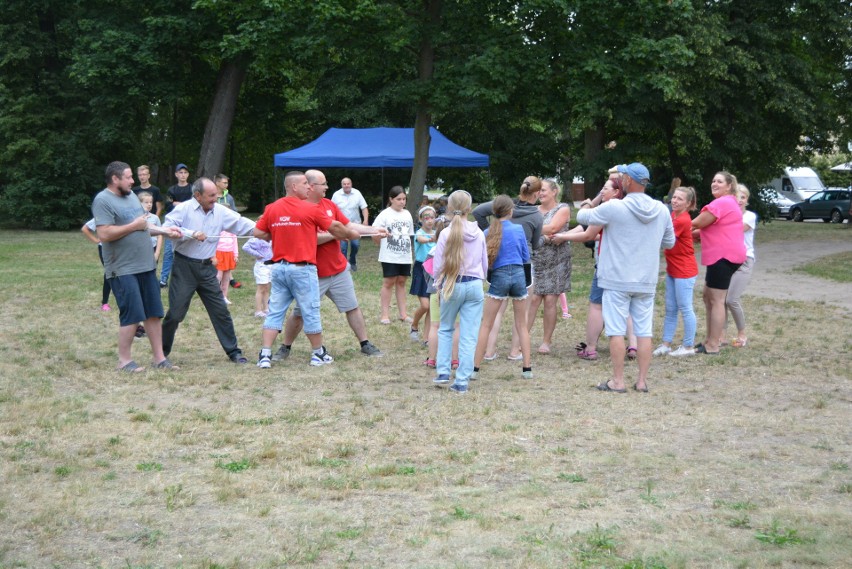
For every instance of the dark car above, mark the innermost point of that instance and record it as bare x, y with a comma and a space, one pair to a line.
829, 205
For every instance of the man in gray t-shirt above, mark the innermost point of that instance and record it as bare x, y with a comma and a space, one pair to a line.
129, 263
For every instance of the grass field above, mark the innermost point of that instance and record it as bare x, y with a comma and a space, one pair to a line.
741, 460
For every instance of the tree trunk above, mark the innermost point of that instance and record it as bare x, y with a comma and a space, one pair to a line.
422, 138
593, 139
215, 142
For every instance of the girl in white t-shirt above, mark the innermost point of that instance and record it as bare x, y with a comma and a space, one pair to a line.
395, 253
741, 278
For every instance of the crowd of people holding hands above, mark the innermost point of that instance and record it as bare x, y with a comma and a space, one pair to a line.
463, 272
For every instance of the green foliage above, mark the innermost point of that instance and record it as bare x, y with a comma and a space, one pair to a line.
687, 87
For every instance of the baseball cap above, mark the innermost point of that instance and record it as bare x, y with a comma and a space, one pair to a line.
181, 165
636, 171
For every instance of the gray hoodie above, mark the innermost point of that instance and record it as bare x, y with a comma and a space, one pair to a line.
524, 214
634, 230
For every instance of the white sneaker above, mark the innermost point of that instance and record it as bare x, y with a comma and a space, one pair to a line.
264, 361
321, 359
227, 301
683, 351
661, 350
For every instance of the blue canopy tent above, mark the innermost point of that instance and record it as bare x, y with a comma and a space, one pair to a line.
381, 147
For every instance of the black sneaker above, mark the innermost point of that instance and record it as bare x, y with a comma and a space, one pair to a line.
369, 349
239, 358
282, 354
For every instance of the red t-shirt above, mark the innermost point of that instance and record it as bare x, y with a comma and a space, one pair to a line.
293, 225
680, 259
330, 260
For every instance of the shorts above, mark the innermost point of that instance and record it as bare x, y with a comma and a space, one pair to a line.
390, 270
299, 283
617, 306
596, 294
719, 274
138, 297
508, 281
262, 273
225, 261
340, 289
418, 280
435, 308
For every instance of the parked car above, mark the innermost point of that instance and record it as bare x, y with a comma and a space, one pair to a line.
830, 205
781, 203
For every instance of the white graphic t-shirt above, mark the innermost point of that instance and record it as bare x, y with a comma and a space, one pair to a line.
396, 247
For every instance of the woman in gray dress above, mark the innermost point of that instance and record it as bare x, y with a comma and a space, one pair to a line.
551, 262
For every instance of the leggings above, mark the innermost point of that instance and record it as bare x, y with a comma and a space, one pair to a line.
739, 282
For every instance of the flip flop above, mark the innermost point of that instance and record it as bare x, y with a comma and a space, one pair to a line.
517, 358
490, 358
385, 321
544, 349
738, 343
581, 347
643, 390
605, 387
700, 349
131, 367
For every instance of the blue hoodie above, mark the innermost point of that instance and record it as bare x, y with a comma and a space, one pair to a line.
634, 230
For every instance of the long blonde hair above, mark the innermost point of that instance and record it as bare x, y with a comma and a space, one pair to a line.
458, 208
501, 207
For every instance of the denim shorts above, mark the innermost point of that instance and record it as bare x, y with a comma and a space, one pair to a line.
138, 297
508, 281
596, 294
299, 283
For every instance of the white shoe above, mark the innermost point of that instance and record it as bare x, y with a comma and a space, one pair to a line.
661, 350
683, 351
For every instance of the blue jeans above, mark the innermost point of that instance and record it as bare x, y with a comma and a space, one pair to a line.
168, 259
353, 250
679, 299
466, 303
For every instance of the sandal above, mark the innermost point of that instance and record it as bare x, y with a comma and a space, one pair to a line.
166, 364
605, 387
544, 349
631, 353
581, 347
740, 342
490, 358
385, 321
590, 355
131, 367
429, 362
454, 364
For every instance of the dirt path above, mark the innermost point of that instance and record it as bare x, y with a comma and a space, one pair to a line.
774, 276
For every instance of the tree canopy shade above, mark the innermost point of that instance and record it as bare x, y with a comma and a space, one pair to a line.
377, 148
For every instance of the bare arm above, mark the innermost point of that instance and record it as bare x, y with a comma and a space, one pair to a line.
704, 219
324, 237
343, 232
110, 233
578, 234
90, 235
557, 223
365, 216
262, 234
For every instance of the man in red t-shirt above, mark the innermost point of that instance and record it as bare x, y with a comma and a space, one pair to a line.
291, 224
335, 281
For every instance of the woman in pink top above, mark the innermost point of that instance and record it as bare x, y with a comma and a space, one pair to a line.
719, 227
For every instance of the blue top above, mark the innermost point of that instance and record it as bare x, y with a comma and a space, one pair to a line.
513, 246
422, 250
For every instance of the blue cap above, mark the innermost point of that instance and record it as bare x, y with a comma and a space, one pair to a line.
636, 171
181, 165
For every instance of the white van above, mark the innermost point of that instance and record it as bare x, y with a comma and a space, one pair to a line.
798, 184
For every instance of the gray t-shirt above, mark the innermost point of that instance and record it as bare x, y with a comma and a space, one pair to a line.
131, 254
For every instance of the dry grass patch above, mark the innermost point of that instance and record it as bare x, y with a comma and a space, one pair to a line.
736, 461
